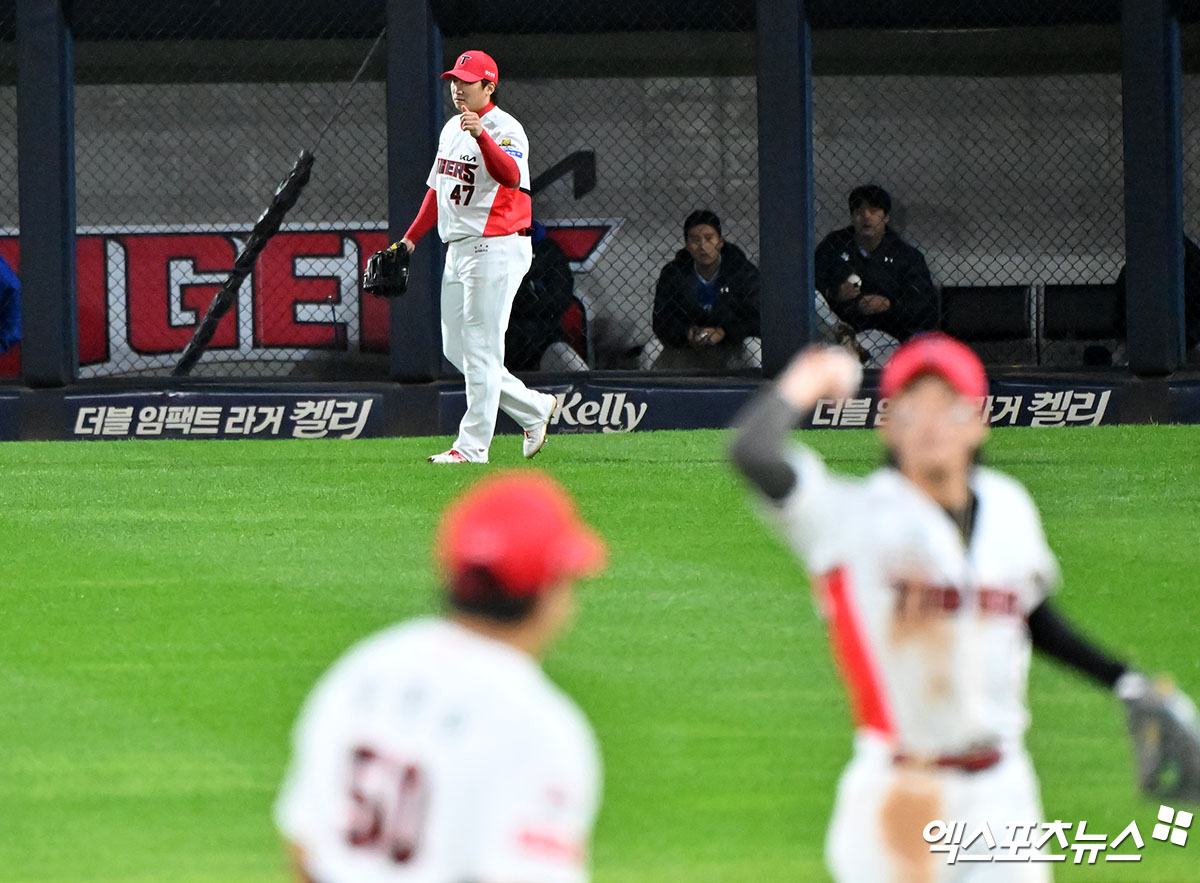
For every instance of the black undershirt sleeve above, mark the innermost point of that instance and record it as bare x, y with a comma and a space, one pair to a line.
1053, 635
758, 447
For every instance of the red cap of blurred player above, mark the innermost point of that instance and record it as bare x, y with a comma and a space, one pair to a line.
938, 354
522, 528
472, 66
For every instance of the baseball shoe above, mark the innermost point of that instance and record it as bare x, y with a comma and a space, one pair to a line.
535, 439
450, 456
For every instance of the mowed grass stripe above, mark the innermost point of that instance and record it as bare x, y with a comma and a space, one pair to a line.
168, 604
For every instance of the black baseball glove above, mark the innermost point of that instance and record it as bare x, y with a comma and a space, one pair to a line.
387, 272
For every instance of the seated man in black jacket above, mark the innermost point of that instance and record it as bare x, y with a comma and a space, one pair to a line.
706, 302
870, 277
536, 338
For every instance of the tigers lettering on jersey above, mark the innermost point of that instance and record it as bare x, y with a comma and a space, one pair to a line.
470, 201
928, 630
457, 169
915, 595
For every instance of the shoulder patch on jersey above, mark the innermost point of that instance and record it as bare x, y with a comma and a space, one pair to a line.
506, 142
512, 151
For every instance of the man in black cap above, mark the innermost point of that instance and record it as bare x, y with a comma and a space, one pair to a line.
706, 302
871, 278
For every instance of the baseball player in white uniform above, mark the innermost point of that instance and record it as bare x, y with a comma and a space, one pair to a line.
437, 751
479, 198
933, 576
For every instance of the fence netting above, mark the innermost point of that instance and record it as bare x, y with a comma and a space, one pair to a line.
10, 320
187, 118
971, 180
968, 170
630, 135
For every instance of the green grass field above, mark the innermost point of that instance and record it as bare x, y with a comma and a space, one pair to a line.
166, 606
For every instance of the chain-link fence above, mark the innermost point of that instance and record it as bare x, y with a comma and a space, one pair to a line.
630, 134
10, 321
991, 134
998, 211
187, 118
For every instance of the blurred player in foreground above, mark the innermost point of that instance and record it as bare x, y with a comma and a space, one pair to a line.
934, 577
437, 750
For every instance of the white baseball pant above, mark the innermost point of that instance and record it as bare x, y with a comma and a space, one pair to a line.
882, 809
479, 283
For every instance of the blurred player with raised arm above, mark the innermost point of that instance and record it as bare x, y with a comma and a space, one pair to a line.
480, 200
934, 577
437, 751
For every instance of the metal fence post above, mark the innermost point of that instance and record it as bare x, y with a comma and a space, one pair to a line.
1153, 135
46, 182
414, 120
785, 177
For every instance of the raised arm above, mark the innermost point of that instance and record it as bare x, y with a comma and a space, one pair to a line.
761, 429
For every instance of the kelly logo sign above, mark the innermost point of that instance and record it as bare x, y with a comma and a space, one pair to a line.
606, 412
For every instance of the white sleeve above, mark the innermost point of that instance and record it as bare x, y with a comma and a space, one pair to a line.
1046, 573
813, 517
538, 824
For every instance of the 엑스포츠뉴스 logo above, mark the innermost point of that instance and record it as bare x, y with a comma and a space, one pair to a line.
1172, 825
1034, 841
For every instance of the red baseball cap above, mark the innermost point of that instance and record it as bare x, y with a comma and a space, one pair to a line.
939, 354
521, 527
474, 65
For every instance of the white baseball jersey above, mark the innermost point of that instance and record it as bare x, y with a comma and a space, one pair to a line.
431, 754
470, 201
930, 634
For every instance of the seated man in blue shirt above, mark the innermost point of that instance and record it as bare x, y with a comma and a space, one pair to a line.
10, 308
706, 302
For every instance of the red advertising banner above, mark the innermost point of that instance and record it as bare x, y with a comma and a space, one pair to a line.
141, 294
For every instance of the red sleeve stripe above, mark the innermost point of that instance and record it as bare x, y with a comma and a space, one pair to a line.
551, 845
499, 164
425, 219
853, 656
